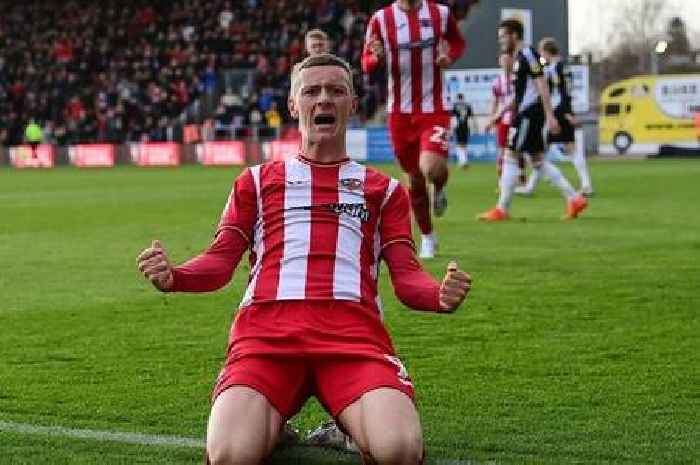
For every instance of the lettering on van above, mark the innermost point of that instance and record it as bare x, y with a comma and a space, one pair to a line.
678, 97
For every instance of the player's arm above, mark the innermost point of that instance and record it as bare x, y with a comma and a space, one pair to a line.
413, 286
543, 89
534, 70
494, 114
566, 105
373, 49
417, 289
472, 119
213, 268
454, 44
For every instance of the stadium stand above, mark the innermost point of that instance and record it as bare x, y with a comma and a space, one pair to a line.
146, 70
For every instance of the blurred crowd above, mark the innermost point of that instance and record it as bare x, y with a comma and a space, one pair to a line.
132, 70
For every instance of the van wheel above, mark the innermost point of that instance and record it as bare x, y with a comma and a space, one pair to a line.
622, 142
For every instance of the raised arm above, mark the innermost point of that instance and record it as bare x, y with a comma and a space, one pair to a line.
373, 49
213, 268
454, 38
413, 286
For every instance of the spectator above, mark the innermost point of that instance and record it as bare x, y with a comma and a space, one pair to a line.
272, 116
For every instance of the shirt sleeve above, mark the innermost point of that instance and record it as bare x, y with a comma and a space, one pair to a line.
454, 39
212, 269
532, 62
370, 62
241, 210
413, 286
564, 88
395, 220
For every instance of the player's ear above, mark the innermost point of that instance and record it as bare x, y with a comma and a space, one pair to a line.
355, 105
293, 110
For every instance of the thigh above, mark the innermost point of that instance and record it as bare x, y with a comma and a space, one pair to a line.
526, 136
341, 381
567, 133
385, 425
243, 426
405, 142
284, 381
434, 134
502, 135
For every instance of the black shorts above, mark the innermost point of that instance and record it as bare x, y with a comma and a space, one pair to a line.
525, 133
566, 135
461, 135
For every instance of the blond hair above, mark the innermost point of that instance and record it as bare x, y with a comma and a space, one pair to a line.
316, 34
322, 59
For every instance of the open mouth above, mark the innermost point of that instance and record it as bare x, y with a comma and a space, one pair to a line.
323, 120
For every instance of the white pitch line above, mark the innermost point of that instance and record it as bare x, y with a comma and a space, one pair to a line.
129, 438
141, 439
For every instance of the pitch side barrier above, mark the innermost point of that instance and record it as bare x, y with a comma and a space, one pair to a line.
368, 145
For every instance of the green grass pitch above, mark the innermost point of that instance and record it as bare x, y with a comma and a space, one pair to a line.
578, 345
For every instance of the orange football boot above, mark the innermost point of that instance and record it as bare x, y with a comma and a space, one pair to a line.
495, 214
575, 206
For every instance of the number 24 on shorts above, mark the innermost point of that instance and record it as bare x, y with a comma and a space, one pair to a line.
439, 136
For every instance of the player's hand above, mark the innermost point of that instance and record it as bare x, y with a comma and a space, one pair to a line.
553, 125
376, 47
155, 266
571, 119
491, 124
454, 288
443, 60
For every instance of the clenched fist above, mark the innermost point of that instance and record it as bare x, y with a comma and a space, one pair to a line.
376, 47
155, 266
454, 288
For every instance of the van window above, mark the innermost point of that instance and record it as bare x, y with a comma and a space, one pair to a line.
612, 109
617, 92
628, 108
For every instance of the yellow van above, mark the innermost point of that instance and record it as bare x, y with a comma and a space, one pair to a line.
641, 114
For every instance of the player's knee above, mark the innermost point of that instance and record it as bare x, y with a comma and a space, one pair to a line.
400, 447
433, 167
229, 454
234, 453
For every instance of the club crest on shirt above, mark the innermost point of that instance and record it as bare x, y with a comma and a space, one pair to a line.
351, 184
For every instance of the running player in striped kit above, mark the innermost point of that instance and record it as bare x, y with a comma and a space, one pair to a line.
502, 111
310, 323
417, 39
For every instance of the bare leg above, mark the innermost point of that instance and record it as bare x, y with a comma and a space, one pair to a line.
420, 202
434, 168
243, 428
384, 424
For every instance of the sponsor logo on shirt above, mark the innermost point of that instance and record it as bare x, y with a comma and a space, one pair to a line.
425, 43
354, 210
351, 184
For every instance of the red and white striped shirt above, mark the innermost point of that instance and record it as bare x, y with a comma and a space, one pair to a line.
503, 91
316, 230
411, 40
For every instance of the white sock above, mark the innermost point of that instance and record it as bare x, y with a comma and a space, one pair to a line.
534, 178
462, 155
555, 176
509, 179
579, 160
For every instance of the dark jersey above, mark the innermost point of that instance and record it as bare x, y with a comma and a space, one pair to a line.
526, 69
462, 111
559, 80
